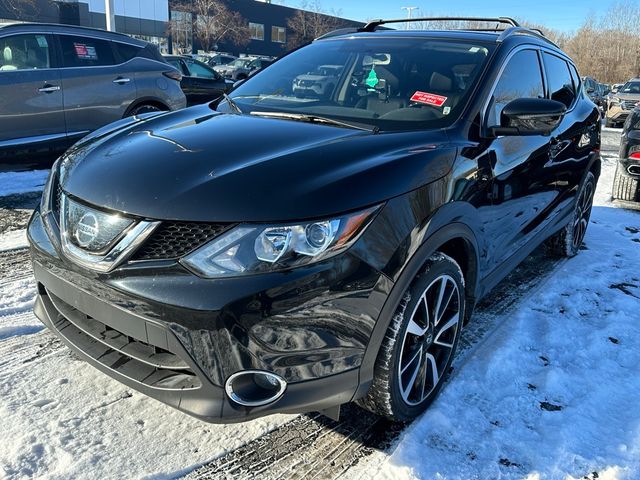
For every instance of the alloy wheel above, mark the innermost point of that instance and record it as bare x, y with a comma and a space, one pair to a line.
429, 340
583, 213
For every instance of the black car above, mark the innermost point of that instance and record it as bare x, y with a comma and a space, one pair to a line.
281, 253
200, 83
626, 182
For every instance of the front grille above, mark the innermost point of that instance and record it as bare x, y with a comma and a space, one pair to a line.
173, 240
148, 364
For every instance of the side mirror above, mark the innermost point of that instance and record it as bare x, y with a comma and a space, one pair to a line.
530, 116
590, 90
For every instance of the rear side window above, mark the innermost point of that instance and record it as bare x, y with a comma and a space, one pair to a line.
521, 78
197, 70
559, 79
125, 52
24, 52
85, 52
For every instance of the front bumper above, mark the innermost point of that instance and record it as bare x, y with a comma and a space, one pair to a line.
177, 338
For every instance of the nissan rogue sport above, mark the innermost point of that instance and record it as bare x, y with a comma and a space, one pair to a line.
60, 82
280, 252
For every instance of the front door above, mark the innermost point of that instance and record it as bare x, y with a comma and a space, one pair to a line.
31, 94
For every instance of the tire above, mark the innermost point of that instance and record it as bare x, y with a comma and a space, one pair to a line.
567, 242
405, 382
625, 187
143, 108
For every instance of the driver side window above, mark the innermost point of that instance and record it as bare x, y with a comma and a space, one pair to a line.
521, 78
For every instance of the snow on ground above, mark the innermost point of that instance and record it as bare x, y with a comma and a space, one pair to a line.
22, 182
554, 391
13, 240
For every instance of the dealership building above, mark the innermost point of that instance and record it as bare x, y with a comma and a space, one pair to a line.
148, 20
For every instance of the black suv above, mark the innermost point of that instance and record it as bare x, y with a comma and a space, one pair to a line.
626, 183
276, 252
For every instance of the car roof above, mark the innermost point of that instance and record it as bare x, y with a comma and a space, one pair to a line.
514, 35
72, 29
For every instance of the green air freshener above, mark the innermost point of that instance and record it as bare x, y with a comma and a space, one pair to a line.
372, 79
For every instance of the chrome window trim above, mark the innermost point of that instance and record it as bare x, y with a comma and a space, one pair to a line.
132, 239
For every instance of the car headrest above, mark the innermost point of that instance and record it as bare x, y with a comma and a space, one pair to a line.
7, 55
440, 82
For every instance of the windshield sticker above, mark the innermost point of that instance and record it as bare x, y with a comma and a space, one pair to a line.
85, 52
42, 41
446, 110
372, 79
428, 98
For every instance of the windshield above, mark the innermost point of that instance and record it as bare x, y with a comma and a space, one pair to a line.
388, 83
630, 87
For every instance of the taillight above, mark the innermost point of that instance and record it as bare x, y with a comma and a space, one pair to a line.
635, 156
173, 75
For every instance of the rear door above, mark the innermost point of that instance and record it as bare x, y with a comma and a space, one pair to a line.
98, 87
578, 135
30, 91
523, 191
205, 83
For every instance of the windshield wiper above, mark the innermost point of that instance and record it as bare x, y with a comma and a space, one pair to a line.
232, 104
305, 117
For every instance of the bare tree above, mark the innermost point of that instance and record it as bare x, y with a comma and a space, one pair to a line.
215, 22
22, 9
309, 22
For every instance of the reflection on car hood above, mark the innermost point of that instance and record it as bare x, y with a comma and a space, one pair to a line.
200, 165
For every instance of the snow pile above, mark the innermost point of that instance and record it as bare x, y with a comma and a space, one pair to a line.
13, 240
22, 182
554, 391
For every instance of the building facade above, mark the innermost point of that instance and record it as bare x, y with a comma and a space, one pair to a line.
149, 20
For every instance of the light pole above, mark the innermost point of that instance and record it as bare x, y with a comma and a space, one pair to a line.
109, 11
409, 12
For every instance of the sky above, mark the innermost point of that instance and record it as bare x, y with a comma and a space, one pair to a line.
565, 15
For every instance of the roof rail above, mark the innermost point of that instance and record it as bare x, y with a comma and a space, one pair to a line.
372, 25
534, 32
340, 31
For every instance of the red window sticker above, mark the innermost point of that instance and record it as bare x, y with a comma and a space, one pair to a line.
429, 98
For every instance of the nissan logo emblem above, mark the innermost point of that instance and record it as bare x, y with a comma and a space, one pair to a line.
87, 229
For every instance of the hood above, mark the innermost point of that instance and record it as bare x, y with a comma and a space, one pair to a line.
627, 96
200, 165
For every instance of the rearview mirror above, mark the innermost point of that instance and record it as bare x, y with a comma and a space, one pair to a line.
530, 116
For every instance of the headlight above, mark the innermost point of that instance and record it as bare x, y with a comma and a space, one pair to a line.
615, 101
249, 249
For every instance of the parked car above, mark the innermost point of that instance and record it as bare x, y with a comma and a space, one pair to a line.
320, 82
242, 68
221, 59
200, 83
59, 82
623, 102
626, 182
272, 253
593, 90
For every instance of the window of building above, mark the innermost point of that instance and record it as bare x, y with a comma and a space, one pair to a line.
559, 78
279, 34
257, 31
85, 52
182, 31
521, 78
24, 52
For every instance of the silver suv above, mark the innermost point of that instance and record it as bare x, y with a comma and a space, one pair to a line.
59, 82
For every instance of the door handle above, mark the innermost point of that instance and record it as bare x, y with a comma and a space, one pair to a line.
49, 88
121, 80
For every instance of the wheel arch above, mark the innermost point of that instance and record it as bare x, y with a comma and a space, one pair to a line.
455, 239
146, 101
